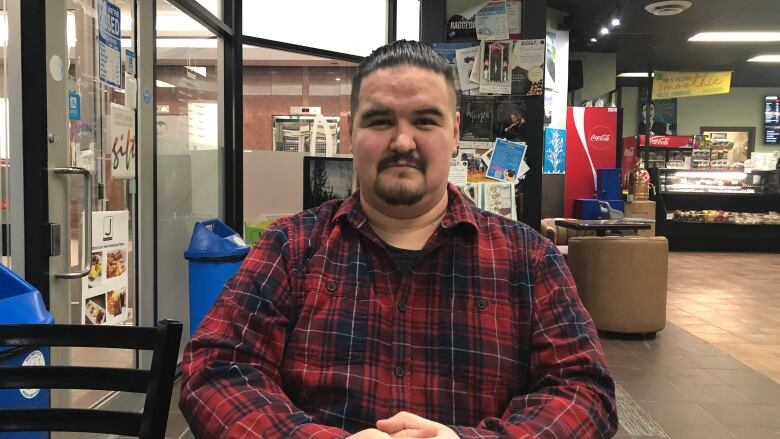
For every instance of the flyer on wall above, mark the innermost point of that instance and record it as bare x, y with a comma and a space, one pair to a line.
104, 291
476, 122
527, 63
109, 44
554, 151
509, 118
464, 61
461, 25
506, 161
549, 71
494, 65
491, 21
514, 18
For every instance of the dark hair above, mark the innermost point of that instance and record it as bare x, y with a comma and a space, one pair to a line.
400, 53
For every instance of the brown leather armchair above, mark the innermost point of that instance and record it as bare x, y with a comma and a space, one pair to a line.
560, 235
622, 281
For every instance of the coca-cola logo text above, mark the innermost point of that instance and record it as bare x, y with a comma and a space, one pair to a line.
659, 141
600, 138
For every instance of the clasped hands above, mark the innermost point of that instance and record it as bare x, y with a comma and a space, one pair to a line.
406, 425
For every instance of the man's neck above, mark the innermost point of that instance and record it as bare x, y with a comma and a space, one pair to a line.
405, 233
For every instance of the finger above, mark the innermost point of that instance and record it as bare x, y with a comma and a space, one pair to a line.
400, 421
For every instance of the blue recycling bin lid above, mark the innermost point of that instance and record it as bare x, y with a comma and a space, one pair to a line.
20, 302
214, 240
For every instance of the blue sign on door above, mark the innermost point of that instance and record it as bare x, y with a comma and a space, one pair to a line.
74, 106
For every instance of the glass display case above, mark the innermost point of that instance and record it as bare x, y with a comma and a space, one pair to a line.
723, 181
660, 157
718, 209
294, 133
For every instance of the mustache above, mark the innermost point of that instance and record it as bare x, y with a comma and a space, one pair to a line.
409, 159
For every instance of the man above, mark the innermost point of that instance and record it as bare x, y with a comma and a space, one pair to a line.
657, 128
402, 311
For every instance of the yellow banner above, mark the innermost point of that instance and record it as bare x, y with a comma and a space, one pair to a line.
668, 85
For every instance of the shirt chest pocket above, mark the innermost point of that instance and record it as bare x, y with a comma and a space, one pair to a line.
481, 335
332, 324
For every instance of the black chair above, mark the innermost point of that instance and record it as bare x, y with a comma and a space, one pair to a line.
157, 382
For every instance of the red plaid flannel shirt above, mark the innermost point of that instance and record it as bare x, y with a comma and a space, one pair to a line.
319, 335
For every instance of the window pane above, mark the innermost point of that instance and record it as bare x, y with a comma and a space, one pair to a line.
408, 20
213, 6
318, 24
189, 151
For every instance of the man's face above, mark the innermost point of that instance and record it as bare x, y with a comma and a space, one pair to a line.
404, 132
650, 111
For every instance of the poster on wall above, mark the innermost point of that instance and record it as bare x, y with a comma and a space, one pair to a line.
476, 122
554, 151
461, 26
104, 291
494, 67
464, 61
122, 141
109, 43
491, 23
527, 65
506, 160
509, 118
662, 112
514, 18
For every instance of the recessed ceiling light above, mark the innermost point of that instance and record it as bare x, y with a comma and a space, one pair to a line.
604, 31
667, 8
338, 79
751, 37
634, 75
765, 58
615, 22
594, 40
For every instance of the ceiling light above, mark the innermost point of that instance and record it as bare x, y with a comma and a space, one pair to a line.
594, 40
634, 75
338, 79
667, 8
163, 84
604, 31
747, 37
615, 22
765, 58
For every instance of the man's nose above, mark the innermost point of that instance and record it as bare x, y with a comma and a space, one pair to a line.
403, 140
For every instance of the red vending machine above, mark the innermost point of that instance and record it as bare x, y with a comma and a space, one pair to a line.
591, 144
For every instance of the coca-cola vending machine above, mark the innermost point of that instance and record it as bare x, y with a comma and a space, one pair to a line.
663, 152
591, 144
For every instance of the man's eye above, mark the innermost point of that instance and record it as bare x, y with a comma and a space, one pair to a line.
425, 121
378, 123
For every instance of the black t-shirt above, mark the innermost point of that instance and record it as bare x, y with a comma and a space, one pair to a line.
403, 258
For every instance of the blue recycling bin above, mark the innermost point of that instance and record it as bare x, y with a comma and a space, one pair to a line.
21, 303
215, 253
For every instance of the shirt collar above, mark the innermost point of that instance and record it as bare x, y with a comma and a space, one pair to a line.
458, 210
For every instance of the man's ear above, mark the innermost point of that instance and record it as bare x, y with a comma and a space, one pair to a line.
456, 133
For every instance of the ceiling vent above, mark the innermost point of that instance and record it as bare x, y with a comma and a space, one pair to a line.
667, 8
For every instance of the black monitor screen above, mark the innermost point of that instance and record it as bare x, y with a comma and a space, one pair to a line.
326, 178
772, 120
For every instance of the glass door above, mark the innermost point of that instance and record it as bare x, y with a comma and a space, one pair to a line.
91, 122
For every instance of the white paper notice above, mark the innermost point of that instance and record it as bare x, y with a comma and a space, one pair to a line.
131, 92
459, 172
514, 18
491, 21
123, 149
464, 60
104, 299
110, 44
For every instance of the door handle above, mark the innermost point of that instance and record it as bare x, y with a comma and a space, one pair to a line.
87, 254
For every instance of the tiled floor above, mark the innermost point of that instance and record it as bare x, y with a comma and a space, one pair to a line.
713, 373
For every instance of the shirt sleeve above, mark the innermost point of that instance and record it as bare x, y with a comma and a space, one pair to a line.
571, 393
231, 385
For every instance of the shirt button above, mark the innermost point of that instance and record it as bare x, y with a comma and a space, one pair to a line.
482, 303
331, 286
401, 307
400, 371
